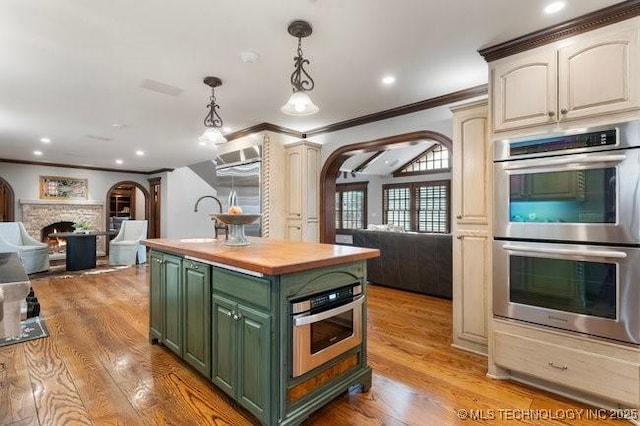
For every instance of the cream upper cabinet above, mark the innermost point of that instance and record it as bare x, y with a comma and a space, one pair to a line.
599, 75
524, 90
303, 182
589, 75
294, 182
470, 170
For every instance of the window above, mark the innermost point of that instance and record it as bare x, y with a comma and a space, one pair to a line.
418, 206
435, 159
351, 206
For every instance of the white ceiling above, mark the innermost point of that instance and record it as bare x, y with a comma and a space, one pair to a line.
71, 69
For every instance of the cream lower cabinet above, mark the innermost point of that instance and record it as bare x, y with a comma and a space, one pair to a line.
599, 369
584, 76
303, 182
471, 205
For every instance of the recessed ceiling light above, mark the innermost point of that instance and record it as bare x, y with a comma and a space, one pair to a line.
139, 153
249, 57
37, 152
388, 79
45, 140
119, 125
226, 129
202, 143
554, 7
119, 161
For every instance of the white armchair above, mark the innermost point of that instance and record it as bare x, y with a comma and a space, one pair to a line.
33, 254
125, 248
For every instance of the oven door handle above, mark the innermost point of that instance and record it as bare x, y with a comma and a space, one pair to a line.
568, 252
565, 161
308, 319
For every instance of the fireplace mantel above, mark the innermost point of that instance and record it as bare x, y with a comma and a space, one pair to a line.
64, 202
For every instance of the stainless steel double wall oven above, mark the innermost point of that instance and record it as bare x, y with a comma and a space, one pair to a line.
567, 231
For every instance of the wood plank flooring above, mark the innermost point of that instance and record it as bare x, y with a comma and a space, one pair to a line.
97, 367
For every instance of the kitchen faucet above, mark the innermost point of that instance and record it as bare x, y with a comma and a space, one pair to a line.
217, 225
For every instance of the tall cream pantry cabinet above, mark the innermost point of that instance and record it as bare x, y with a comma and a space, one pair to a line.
471, 205
302, 180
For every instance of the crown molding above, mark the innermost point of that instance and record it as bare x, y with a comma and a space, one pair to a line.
437, 101
73, 166
261, 128
590, 21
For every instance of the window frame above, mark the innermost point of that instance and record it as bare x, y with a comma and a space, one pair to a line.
413, 208
345, 187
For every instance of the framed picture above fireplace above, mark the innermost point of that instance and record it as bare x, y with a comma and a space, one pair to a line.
63, 188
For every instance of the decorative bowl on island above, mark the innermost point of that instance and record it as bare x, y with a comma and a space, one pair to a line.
236, 224
237, 219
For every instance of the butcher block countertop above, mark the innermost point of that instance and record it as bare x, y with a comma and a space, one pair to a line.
268, 256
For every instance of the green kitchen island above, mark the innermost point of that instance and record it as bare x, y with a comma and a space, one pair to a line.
228, 312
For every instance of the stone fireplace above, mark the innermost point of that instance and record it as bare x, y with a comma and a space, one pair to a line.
40, 215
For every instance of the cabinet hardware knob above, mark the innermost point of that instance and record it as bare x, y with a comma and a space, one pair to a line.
460, 237
551, 113
230, 314
459, 216
563, 111
559, 367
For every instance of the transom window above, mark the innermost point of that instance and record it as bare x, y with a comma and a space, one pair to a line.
351, 206
417, 206
435, 159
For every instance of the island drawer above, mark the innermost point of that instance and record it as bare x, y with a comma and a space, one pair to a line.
611, 378
247, 288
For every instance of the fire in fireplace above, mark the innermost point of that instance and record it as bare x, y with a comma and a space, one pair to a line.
56, 245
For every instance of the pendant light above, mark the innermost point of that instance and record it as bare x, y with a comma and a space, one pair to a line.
300, 103
212, 121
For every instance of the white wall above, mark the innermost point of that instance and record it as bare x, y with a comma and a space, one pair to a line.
25, 181
140, 204
181, 189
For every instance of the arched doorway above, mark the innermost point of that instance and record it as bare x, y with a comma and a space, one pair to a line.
7, 202
126, 200
339, 156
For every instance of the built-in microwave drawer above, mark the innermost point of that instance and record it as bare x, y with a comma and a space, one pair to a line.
609, 378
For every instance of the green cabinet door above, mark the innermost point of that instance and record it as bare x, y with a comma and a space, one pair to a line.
254, 351
223, 345
156, 316
172, 307
196, 294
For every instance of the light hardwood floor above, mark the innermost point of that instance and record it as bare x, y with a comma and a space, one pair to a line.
97, 367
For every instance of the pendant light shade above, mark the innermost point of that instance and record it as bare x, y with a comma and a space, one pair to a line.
212, 135
299, 103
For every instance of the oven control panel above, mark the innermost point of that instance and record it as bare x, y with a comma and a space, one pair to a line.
329, 298
564, 142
